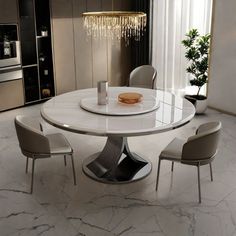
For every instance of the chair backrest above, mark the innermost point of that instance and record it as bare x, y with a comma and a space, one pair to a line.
31, 139
204, 144
143, 76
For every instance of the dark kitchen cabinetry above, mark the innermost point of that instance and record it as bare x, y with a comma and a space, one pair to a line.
36, 49
45, 66
8, 11
31, 83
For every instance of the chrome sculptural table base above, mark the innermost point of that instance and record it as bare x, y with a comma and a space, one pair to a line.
116, 163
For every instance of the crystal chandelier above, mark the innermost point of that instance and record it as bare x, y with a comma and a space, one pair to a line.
115, 24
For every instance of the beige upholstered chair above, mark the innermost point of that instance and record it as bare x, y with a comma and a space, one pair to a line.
143, 76
200, 149
34, 144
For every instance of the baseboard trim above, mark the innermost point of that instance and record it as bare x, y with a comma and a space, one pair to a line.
223, 111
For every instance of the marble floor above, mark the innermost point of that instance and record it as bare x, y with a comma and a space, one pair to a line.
59, 208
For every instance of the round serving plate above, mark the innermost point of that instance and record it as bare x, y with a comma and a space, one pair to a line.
116, 108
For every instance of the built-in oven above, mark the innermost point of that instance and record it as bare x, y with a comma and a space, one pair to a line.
10, 58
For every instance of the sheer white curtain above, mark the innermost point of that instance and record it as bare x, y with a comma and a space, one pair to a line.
172, 19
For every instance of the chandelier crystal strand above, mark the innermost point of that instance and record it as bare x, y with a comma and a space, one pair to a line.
115, 24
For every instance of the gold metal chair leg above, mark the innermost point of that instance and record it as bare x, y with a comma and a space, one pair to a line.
73, 168
158, 173
211, 171
32, 176
199, 183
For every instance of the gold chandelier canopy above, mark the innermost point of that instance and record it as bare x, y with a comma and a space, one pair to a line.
115, 24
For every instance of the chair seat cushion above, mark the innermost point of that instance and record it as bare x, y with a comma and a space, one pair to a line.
58, 144
173, 150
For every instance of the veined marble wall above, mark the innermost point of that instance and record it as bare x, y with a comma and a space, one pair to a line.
80, 61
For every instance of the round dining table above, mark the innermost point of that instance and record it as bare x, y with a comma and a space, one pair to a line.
78, 112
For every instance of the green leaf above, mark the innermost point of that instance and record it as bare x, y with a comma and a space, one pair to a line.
187, 43
197, 50
192, 34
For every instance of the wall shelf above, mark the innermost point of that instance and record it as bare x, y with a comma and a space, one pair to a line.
36, 50
39, 37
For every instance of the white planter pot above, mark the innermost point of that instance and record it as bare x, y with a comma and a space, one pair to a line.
44, 33
200, 104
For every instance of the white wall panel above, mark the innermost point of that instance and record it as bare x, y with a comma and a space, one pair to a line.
63, 45
99, 49
222, 82
83, 49
84, 59
119, 54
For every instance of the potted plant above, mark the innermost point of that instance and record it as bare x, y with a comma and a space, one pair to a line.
197, 52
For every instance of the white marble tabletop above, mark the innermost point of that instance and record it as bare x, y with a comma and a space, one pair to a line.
64, 112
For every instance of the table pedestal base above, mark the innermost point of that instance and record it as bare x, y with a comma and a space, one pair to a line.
116, 164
